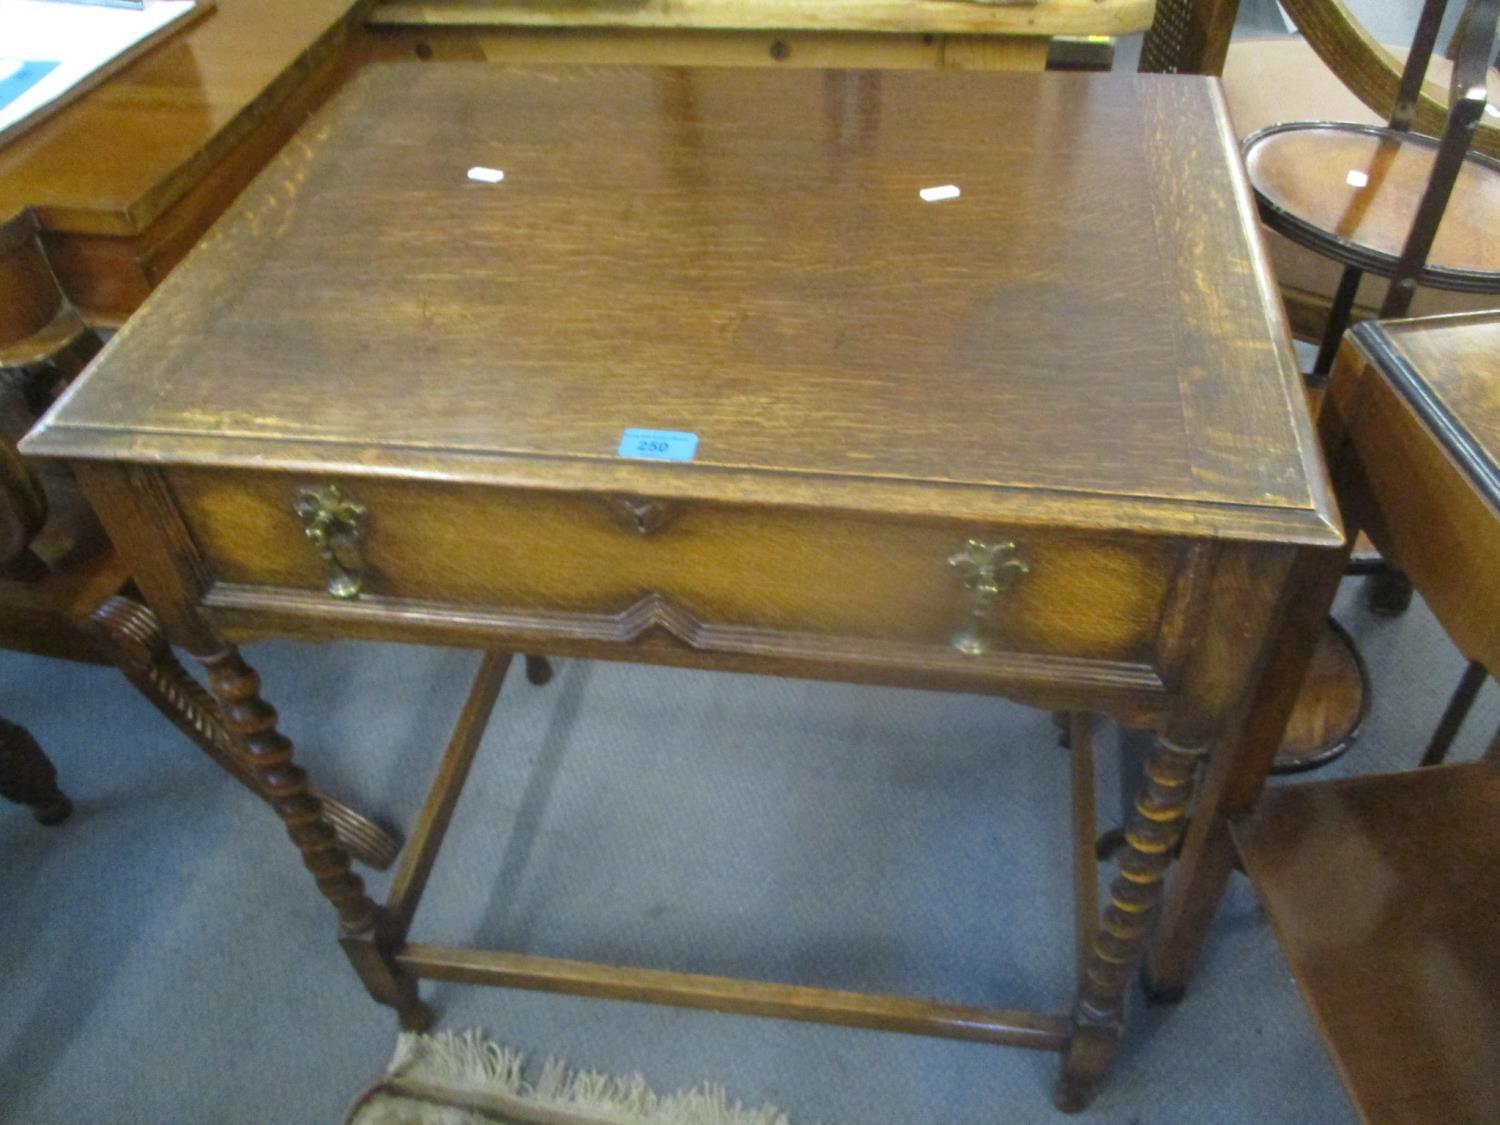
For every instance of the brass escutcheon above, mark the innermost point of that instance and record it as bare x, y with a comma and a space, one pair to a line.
989, 569
335, 524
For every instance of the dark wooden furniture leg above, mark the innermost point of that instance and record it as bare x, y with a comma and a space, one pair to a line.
1459, 706
378, 948
133, 639
27, 777
1388, 592
1150, 840
236, 688
538, 670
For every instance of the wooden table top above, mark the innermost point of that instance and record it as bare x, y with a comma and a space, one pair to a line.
1088, 333
115, 159
1445, 369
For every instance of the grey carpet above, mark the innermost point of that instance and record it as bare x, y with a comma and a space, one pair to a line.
165, 958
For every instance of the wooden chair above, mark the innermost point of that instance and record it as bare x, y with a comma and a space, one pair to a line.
63, 591
1188, 36
1382, 890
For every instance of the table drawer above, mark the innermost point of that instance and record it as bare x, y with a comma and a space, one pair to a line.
567, 558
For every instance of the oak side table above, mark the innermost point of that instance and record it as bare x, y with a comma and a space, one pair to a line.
971, 382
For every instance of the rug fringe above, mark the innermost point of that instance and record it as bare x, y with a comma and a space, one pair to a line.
472, 1062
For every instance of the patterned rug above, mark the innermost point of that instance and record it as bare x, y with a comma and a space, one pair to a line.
448, 1079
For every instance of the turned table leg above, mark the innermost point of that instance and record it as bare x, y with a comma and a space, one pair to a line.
236, 688
27, 777
1152, 836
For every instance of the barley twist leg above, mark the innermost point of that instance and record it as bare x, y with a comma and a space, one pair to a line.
1150, 840
236, 688
135, 642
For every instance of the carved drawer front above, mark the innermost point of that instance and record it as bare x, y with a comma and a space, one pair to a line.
568, 558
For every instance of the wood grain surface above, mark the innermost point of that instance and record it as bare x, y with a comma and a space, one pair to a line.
1364, 188
1044, 438
1399, 965
1023, 17
126, 150
1427, 429
1455, 360
126, 179
1088, 324
555, 554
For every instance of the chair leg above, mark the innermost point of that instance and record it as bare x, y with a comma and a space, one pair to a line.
27, 777
134, 641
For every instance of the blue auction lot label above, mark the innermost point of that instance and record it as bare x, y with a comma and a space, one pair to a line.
658, 445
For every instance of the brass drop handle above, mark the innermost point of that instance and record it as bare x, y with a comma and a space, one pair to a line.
335, 524
989, 569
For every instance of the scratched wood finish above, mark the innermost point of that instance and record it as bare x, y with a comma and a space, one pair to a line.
828, 335
1082, 354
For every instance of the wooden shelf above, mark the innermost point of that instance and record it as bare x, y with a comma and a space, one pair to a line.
1383, 895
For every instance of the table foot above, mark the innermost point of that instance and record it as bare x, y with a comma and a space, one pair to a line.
1149, 845
417, 1017
1063, 720
1388, 592
538, 670
28, 777
370, 952
1085, 1061
1072, 1095
1160, 994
